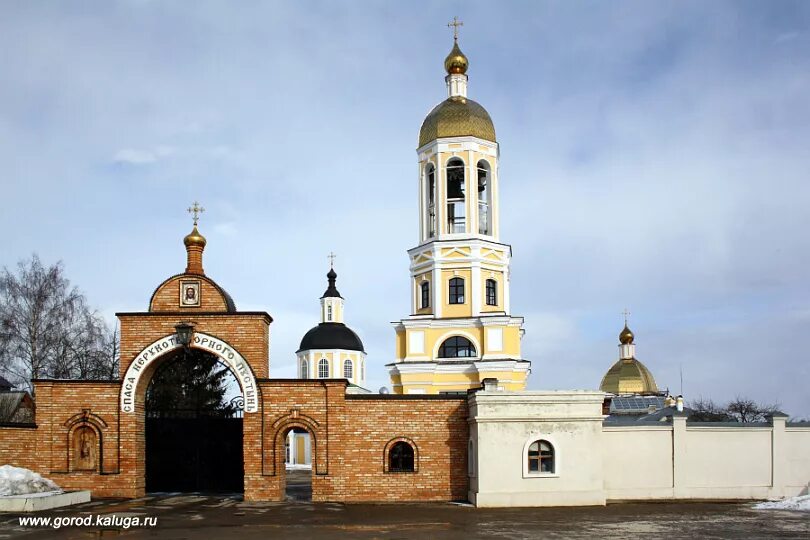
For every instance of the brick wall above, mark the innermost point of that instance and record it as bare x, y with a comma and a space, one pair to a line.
167, 296
18, 446
349, 438
248, 333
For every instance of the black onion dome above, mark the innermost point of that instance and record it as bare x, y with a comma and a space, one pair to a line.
331, 335
331, 290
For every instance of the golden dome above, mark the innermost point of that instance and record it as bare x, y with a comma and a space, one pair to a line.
457, 117
456, 62
194, 238
626, 336
628, 376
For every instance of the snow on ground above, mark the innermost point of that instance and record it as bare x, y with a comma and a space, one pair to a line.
801, 502
19, 481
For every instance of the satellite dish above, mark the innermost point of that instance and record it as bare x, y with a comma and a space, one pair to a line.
383, 390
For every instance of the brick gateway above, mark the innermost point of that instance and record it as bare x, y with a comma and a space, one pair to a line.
91, 434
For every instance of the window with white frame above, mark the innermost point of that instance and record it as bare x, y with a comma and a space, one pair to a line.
304, 369
540, 458
323, 368
348, 369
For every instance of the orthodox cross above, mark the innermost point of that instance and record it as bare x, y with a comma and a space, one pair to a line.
626, 313
455, 24
195, 210
331, 258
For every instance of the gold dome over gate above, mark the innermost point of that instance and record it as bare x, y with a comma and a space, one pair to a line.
456, 62
194, 238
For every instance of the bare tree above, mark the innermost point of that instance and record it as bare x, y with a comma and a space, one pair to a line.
740, 409
46, 328
743, 409
706, 410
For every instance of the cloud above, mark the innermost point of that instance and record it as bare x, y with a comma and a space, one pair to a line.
136, 157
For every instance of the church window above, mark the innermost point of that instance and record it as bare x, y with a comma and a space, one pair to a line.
328, 313
348, 369
400, 458
457, 347
456, 206
540, 457
304, 369
425, 289
492, 292
456, 290
362, 369
430, 196
323, 368
484, 198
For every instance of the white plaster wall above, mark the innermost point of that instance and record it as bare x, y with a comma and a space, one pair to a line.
797, 451
637, 462
727, 457
503, 422
676, 461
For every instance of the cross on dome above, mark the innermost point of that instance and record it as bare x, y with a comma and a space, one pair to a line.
626, 313
454, 25
195, 210
331, 258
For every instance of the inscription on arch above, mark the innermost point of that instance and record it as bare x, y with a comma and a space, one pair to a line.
229, 356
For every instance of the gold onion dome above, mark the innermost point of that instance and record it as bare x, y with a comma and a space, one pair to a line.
626, 336
194, 238
457, 117
628, 376
456, 62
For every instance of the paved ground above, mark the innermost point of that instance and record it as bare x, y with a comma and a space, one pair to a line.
226, 517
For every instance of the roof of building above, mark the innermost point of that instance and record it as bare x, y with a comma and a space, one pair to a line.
331, 290
457, 117
628, 376
5, 385
331, 335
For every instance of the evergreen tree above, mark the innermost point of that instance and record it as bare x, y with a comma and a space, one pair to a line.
193, 384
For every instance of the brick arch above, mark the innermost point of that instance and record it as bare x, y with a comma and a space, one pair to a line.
281, 427
81, 421
140, 370
390, 444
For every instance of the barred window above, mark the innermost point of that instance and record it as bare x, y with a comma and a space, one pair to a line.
456, 290
492, 292
400, 458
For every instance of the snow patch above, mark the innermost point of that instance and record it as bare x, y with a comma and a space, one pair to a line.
19, 481
801, 502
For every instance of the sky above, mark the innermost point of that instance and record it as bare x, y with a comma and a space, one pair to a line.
654, 157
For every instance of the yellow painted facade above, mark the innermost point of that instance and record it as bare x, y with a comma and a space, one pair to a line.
462, 336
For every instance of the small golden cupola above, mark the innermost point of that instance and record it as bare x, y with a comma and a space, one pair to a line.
628, 375
456, 62
195, 243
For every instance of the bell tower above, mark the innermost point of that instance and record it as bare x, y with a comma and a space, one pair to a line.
460, 330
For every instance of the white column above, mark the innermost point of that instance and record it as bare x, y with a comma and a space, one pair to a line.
475, 288
436, 288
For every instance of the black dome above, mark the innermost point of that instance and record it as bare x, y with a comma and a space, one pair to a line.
331, 335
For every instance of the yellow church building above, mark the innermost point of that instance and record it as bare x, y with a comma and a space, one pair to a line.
461, 329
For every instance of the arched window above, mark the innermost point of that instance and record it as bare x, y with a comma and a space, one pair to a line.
323, 368
457, 347
430, 199
456, 290
362, 369
400, 457
456, 213
304, 369
540, 457
425, 288
492, 292
348, 369
484, 197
